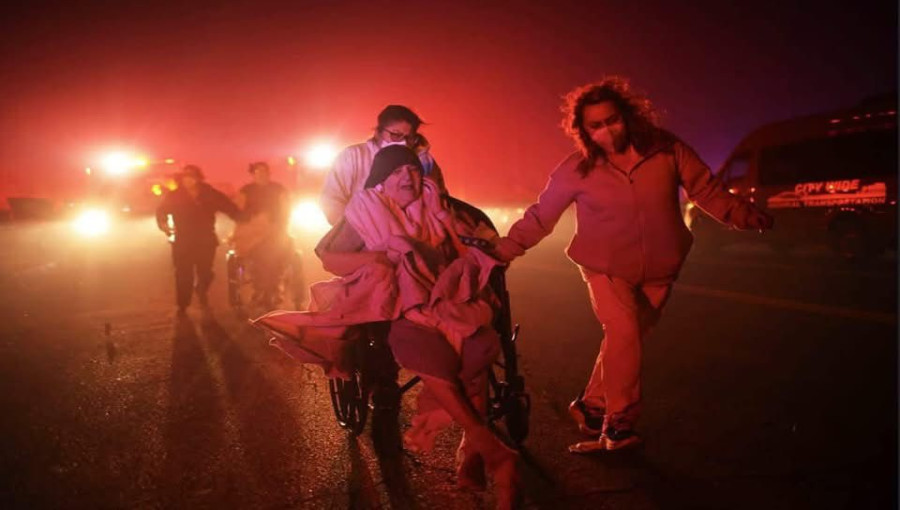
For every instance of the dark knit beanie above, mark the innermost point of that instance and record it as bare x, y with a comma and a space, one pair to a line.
389, 159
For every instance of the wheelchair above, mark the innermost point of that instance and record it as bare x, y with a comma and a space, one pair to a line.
507, 398
292, 289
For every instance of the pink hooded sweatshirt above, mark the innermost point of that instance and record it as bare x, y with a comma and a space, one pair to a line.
630, 225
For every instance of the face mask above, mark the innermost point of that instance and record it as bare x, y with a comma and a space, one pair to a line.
604, 139
391, 142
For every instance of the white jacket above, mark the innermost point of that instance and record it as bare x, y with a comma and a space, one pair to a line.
350, 171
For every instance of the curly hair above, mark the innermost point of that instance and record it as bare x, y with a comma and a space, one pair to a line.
640, 117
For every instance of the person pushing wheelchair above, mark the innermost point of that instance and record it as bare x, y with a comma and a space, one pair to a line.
400, 259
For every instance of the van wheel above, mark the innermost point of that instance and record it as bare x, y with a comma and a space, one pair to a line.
850, 240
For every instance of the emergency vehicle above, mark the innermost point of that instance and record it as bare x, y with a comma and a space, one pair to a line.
120, 185
829, 177
130, 185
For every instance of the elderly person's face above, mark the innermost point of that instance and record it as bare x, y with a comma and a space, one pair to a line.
404, 185
606, 127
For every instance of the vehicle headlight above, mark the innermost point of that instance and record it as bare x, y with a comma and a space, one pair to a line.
307, 216
92, 223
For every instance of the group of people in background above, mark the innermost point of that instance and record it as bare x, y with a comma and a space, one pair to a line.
396, 247
261, 211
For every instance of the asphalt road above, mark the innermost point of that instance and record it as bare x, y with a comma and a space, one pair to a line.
771, 382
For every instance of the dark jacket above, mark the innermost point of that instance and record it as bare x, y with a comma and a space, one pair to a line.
270, 199
195, 219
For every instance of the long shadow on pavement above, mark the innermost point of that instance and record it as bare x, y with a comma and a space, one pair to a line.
388, 445
267, 431
194, 434
541, 489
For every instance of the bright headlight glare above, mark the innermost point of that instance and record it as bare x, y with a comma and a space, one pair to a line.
308, 217
92, 223
320, 156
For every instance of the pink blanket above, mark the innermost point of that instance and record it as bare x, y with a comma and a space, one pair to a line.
451, 297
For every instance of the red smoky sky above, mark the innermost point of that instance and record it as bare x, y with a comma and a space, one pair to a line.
223, 84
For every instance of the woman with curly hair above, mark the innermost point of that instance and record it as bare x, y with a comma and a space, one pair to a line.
630, 240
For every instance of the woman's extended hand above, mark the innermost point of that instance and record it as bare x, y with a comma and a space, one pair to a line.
505, 249
760, 220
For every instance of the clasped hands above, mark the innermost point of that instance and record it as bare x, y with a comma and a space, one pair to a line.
505, 249
760, 221
397, 246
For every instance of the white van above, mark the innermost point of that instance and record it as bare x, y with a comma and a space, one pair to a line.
824, 177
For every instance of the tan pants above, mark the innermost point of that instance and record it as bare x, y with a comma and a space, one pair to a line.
627, 313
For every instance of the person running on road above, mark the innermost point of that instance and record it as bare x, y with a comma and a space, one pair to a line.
192, 209
630, 239
264, 239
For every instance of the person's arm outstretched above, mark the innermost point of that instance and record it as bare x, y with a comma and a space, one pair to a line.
712, 198
541, 217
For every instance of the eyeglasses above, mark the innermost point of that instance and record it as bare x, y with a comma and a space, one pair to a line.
612, 120
397, 136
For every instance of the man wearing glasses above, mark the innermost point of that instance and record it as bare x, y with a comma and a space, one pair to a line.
397, 124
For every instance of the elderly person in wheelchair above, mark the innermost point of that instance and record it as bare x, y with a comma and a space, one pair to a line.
400, 258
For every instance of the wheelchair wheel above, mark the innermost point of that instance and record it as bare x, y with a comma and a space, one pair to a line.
517, 415
350, 401
508, 400
507, 397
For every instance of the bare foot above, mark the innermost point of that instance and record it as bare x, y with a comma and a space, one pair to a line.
507, 485
424, 430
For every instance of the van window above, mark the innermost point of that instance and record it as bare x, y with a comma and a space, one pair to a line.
853, 155
736, 168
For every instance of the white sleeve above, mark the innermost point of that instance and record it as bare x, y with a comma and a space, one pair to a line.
338, 186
